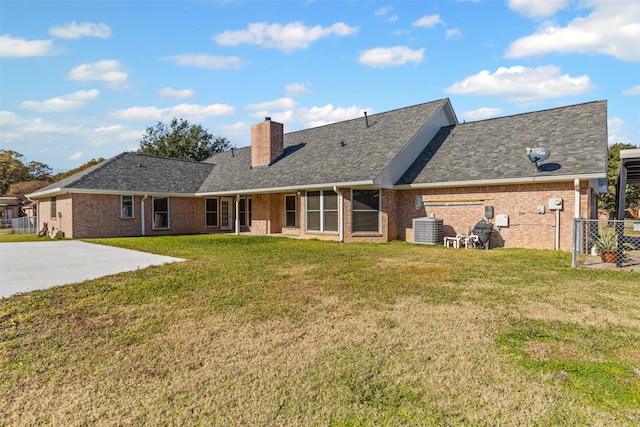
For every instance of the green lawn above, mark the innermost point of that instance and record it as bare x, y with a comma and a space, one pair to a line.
274, 331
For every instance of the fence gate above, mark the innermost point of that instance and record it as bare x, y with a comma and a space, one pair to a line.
606, 243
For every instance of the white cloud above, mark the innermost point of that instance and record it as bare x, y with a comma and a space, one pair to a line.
615, 129
287, 38
108, 129
108, 71
72, 101
169, 92
612, 28
481, 113
522, 85
76, 156
185, 111
391, 56
204, 60
537, 8
632, 91
393, 18
297, 89
15, 125
13, 47
319, 116
277, 104
428, 21
453, 33
73, 30
382, 11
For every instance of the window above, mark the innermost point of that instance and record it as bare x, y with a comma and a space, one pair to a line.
244, 212
54, 209
366, 211
322, 211
160, 212
126, 206
211, 212
291, 213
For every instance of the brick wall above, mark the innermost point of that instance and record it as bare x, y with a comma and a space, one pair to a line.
527, 228
100, 216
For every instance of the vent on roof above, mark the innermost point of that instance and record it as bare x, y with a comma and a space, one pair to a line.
428, 231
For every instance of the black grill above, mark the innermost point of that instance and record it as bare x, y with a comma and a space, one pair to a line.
483, 230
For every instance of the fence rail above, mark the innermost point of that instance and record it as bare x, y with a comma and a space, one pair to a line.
24, 225
606, 243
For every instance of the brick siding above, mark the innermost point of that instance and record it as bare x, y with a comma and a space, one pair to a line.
91, 215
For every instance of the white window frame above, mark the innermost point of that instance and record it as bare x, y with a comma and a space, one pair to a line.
54, 207
322, 212
122, 215
287, 211
167, 213
207, 212
353, 212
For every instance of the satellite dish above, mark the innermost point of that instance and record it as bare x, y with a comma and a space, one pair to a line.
538, 154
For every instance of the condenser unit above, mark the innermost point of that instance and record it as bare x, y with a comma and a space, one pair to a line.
428, 231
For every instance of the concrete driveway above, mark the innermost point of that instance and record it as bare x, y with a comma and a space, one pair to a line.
27, 266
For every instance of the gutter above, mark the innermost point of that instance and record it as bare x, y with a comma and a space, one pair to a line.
290, 188
504, 181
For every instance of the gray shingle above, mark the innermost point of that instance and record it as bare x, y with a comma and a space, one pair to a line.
496, 148
131, 172
341, 152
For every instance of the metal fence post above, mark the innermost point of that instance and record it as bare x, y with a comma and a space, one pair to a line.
577, 228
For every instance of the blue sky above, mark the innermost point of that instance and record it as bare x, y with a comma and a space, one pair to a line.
84, 79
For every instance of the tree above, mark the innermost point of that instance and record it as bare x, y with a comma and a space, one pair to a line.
181, 140
12, 169
22, 188
608, 201
80, 168
39, 171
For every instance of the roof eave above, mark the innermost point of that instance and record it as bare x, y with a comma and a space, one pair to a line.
503, 181
285, 189
58, 191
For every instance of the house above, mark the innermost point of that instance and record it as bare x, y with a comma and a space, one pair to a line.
360, 180
9, 209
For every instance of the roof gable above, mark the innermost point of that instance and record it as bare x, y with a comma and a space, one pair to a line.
343, 152
136, 173
495, 149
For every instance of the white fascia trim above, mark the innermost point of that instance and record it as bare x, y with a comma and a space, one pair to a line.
61, 191
290, 188
505, 181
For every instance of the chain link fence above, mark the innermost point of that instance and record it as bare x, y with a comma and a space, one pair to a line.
606, 244
24, 225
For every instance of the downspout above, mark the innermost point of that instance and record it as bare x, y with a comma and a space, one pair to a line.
576, 186
142, 212
237, 214
557, 243
340, 215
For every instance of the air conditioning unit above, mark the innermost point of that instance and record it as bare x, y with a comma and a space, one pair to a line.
428, 231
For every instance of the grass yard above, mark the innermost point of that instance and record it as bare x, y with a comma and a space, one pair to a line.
276, 332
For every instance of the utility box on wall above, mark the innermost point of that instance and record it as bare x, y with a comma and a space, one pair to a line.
555, 203
502, 220
488, 212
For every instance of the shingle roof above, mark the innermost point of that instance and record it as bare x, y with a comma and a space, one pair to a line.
350, 152
337, 153
132, 172
495, 149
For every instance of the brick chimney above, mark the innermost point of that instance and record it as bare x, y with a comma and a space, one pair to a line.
267, 142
